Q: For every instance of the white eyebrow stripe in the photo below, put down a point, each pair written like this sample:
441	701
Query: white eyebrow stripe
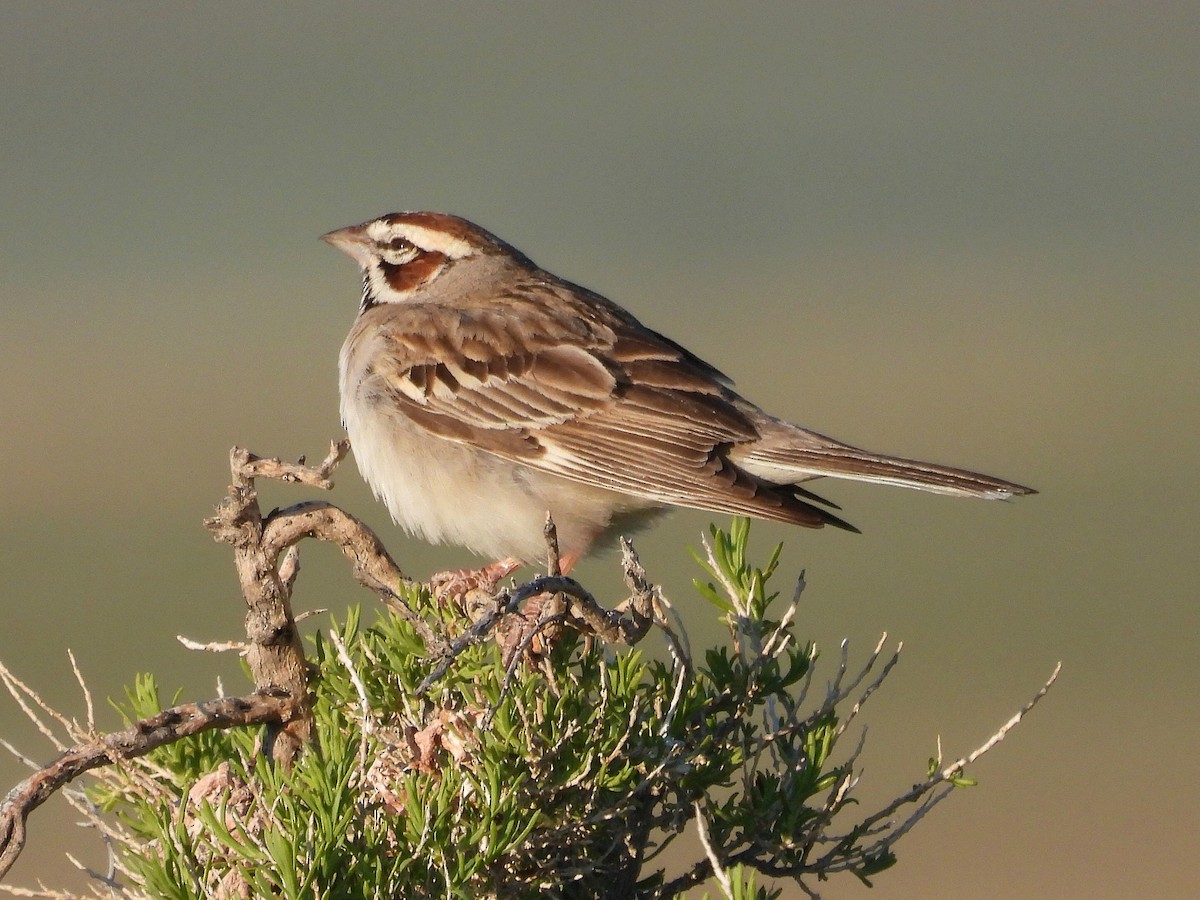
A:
438	241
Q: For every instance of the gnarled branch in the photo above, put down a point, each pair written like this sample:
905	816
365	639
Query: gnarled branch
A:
265	707
275	655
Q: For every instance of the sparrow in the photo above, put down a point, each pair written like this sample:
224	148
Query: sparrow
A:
481	392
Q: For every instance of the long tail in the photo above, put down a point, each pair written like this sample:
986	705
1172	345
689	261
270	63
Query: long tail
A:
784	462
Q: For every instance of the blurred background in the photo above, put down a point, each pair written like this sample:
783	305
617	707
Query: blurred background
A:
962	232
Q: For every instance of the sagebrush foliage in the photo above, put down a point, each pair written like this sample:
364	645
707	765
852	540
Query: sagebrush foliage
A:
562	779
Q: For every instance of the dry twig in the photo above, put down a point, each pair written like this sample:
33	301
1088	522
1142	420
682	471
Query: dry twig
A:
267	562
163	728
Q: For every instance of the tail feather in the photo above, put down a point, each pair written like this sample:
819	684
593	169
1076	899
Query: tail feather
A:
782	464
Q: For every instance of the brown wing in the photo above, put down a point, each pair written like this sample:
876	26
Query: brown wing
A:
590	397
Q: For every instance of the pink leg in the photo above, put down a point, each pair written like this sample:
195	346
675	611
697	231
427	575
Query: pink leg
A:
457	582
567	561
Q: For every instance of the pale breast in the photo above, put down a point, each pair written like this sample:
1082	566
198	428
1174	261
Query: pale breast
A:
447	491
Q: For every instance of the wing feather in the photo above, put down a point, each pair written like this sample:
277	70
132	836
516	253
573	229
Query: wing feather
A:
591	399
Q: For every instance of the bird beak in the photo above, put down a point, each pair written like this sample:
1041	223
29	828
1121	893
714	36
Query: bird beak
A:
352	241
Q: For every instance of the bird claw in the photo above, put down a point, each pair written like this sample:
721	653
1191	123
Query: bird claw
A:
460	582
525	629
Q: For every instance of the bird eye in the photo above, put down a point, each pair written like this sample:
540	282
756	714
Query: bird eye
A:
399	243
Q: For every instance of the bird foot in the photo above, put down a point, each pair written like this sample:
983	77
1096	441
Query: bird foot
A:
525	630
460	582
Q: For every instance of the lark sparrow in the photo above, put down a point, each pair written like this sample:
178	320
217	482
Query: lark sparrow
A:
481	392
